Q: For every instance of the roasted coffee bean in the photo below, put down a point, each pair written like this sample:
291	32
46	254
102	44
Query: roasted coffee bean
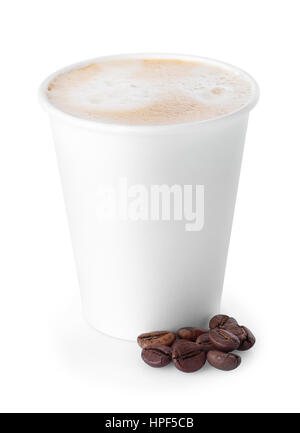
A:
224	340
163	338
235	329
205	343
222	321
188	356
157	356
190	333
249	341
230	324
218	321
223	361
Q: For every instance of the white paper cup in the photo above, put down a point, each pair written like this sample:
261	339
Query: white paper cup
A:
141	269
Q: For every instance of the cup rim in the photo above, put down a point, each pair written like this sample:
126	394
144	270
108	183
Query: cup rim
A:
144	129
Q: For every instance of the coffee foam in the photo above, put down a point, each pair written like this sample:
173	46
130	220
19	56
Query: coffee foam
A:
149	91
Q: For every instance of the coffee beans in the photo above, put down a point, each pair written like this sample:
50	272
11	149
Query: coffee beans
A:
190	333
224	340
205	343
218	321
163	338
223	361
188	356
230	324
157	356
249	341
237	330
194	345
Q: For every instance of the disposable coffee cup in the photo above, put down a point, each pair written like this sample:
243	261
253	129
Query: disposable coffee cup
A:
150	210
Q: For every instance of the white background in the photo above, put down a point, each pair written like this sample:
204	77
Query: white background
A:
50	360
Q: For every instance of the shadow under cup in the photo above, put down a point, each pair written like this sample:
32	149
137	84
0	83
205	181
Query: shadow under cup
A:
150	210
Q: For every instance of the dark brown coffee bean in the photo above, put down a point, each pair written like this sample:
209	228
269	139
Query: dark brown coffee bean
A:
190	333
218	321
163	338
235	329
230	324
224	340
157	356
223	361
205	343
249	341
188	356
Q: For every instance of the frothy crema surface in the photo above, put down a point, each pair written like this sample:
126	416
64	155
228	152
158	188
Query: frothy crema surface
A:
142	91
